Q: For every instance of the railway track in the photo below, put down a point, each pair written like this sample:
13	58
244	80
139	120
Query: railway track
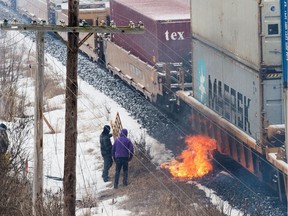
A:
229	181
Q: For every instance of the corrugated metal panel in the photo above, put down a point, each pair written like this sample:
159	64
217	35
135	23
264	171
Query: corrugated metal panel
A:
140	74
227	87
229	24
167	38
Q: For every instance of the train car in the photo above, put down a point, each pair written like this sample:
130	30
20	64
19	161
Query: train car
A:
237	87
236	94
37	10
90	13
56	12
167	34
158	61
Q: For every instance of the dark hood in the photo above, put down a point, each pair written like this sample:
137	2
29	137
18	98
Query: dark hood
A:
106	129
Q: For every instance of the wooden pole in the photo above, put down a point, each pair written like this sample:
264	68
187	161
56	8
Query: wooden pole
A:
38	129
71	111
73	30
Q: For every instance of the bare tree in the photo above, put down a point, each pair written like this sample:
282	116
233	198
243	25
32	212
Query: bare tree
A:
15	192
11	66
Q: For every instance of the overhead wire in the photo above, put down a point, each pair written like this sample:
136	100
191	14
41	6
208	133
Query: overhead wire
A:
173	51
136	157
148	37
214	123
87	166
152	35
79	144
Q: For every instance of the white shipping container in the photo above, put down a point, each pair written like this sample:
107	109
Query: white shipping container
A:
227	87
248	30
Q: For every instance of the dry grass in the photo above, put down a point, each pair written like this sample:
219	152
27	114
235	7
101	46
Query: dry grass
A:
52	87
152	192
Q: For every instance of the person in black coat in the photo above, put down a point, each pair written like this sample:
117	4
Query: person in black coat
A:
106	151
4	141
4	144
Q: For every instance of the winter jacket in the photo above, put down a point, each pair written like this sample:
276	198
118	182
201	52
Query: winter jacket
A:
105	142
4	141
122	146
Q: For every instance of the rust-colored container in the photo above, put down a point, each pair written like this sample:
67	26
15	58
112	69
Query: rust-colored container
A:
167	36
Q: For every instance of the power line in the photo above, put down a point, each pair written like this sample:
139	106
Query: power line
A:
71	99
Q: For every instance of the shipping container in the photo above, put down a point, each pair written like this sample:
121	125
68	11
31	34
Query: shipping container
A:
237	83
248	30
237	64
236	92
89	13
226	87
167	36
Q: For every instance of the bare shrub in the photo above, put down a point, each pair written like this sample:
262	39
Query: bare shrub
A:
142	150
10	71
15	194
88	201
15	188
15	184
53	203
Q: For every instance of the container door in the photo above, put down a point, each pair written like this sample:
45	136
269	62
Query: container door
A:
271	32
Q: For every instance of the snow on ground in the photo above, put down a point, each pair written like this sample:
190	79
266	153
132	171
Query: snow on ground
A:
94	111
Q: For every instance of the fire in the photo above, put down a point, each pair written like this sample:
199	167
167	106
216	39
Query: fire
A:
195	160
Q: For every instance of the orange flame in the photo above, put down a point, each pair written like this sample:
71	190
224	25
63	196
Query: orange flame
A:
195	160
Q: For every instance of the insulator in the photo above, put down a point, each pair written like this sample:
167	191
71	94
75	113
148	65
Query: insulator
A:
140	24
14	21
34	22
112	24
43	22
62	22
83	23
102	23
131	24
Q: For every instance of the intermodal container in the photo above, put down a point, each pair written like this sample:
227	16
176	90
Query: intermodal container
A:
236	64
248	30
167	36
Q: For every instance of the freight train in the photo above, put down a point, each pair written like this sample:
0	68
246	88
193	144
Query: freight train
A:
202	61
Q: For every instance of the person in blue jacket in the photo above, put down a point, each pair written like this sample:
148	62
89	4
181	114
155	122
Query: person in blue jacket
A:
122	151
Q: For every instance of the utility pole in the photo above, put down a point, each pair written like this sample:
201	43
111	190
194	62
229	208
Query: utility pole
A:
73	44
38	128
71	111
